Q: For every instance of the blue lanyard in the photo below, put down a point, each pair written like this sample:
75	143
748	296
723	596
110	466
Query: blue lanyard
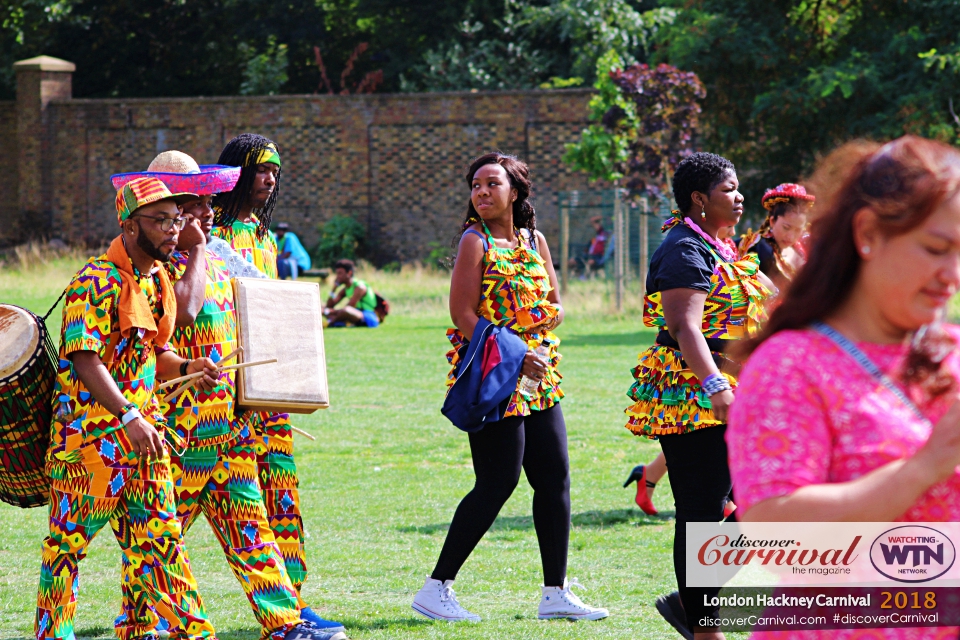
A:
854	352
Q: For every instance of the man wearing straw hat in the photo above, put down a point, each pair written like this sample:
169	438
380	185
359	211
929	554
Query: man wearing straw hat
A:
107	459
215	472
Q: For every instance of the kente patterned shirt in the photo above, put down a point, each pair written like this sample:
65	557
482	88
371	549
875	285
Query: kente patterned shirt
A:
261	252
806	413
668	397
90	314
514	295
206	418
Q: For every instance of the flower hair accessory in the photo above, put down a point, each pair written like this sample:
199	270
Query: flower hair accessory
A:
785	193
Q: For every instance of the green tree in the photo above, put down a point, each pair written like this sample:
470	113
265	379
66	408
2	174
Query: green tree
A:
788	80
265	73
643	123
525	44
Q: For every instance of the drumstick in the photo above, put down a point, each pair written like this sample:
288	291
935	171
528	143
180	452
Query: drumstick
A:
302	432
191	376
195	377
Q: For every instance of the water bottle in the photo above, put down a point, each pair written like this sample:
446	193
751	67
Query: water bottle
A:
529	386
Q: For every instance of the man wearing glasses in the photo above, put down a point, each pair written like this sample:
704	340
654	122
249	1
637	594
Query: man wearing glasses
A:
215	472
107	459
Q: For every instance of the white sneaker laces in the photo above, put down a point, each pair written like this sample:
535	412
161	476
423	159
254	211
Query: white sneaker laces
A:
448	596
571	597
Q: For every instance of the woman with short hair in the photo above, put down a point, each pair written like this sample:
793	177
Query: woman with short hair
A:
701	297
846	409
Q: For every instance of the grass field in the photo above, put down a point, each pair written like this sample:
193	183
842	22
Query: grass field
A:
381	482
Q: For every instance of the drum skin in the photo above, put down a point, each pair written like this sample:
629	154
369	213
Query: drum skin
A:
281	319
27	377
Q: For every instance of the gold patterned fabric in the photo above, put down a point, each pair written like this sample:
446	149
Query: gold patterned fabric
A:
667	395
514	295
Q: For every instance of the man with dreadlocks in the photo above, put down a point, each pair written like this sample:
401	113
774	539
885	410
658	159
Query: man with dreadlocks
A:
242	218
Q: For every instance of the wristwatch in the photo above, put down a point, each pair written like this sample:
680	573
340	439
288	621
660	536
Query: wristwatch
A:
130	406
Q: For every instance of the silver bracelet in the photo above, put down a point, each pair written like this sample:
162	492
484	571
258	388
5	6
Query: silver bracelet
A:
715	383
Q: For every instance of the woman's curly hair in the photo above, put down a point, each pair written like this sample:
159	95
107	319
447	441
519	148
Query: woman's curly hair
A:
700	172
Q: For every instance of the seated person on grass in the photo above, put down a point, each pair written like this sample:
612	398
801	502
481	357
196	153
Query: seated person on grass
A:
361	300
595	256
292	258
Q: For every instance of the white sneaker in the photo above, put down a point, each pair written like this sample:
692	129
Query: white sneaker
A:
437	601
560	602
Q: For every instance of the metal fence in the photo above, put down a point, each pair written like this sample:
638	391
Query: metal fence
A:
632	228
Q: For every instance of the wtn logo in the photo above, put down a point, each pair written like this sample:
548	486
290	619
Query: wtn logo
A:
912	553
897	554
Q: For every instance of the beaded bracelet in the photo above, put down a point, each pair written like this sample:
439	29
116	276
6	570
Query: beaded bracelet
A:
715	383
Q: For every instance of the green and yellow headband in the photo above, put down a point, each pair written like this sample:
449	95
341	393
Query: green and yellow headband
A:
268	154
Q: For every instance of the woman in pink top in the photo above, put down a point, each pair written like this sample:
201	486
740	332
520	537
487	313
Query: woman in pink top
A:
813	436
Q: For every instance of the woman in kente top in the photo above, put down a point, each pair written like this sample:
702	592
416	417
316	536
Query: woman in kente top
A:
777	242
503	273
701	297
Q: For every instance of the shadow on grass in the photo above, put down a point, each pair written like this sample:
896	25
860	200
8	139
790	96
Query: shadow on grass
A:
351	624
586	519
639	339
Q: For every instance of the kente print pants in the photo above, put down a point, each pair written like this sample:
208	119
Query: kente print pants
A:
279	482
220	482
137	499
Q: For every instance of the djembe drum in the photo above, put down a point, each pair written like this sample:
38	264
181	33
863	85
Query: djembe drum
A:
27	376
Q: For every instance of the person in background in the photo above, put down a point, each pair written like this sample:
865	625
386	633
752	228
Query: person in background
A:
594	257
292	258
778	241
847	406
361	307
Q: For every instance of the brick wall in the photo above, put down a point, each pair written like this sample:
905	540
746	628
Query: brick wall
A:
395	162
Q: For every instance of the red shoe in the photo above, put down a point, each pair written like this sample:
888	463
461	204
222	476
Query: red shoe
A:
728	509
639	475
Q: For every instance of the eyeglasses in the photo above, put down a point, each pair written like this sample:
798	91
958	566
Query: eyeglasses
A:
165	223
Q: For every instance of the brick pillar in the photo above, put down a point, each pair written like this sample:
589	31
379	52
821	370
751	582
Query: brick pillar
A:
39	80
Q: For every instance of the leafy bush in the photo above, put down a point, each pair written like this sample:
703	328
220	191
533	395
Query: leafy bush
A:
440	255
341	237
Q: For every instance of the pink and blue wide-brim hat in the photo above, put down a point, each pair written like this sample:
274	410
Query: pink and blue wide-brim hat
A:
211	179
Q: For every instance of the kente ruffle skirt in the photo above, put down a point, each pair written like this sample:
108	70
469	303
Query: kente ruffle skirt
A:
668	398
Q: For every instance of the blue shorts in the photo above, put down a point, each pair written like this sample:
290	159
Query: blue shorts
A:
370	317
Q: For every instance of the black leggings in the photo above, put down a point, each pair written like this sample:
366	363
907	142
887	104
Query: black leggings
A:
538	444
700	481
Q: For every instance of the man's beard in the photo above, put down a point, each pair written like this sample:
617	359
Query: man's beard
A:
148	248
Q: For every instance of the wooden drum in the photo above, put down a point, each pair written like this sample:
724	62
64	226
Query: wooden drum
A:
27	376
281	319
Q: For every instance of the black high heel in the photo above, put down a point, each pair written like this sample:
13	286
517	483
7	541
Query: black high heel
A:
635	476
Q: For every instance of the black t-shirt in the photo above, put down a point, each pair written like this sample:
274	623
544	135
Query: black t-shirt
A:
764	250
682	261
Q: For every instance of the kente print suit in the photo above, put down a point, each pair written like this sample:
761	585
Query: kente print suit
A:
273	433
215	472
96	477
